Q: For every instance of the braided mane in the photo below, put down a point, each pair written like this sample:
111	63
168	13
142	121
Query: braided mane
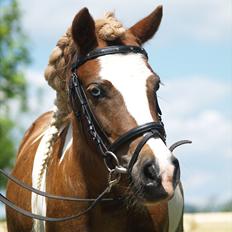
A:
58	72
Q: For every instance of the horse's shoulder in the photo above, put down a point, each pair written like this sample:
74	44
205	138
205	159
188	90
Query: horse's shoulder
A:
35	131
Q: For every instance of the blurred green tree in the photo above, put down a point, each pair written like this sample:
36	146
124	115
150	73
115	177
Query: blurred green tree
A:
227	206
14	56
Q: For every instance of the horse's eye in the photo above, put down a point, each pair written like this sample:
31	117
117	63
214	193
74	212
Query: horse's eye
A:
96	91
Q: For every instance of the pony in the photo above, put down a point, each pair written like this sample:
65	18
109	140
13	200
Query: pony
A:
59	157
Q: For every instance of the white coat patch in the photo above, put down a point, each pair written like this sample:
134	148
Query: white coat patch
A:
67	143
175	209
38	203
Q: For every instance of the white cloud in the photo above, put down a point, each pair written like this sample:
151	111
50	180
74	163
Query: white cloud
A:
40	95
40	98
185	96
199	109
35	78
204	20
208	129
201	186
197	180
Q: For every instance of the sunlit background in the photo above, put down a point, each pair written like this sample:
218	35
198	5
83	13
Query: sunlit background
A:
192	53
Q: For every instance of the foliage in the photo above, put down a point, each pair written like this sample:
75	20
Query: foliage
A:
188	208
227	206
13	53
209	207
14	57
6	145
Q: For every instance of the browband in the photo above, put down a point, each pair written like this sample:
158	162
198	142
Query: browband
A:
122	49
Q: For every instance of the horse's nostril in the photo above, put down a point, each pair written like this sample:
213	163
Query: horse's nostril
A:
151	172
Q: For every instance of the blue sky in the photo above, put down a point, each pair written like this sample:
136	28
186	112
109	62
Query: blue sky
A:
191	52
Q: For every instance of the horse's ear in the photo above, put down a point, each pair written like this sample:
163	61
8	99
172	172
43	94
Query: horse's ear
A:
83	32
147	27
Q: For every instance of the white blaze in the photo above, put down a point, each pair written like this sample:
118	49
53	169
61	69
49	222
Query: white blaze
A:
129	73
162	153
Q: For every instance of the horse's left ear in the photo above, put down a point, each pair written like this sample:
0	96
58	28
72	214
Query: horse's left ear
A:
83	32
147	27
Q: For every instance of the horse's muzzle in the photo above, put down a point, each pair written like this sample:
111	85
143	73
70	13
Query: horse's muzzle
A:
157	184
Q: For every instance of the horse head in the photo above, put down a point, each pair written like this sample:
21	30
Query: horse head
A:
121	89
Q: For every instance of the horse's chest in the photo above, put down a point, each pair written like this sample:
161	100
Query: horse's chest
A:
124	219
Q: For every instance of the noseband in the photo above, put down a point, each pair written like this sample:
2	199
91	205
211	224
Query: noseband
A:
96	137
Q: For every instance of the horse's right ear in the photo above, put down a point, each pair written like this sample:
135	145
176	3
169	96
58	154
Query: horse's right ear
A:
83	32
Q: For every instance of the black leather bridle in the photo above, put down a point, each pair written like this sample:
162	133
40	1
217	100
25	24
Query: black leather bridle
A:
96	137
90	126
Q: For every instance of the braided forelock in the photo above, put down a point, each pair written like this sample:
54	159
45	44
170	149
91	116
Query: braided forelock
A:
109	28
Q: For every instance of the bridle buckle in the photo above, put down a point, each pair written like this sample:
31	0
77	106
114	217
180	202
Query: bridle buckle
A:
114	166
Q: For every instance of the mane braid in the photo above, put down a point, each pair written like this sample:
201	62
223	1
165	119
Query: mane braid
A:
52	133
58	71
44	151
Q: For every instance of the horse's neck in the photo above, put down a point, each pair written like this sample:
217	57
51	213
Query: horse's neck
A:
80	168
